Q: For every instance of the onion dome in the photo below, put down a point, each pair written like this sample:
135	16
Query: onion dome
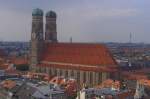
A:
37	12
51	14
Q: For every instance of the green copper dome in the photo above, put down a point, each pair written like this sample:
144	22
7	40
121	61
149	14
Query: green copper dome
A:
51	14
37	12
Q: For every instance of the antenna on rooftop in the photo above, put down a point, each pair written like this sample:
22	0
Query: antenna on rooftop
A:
130	38
130	49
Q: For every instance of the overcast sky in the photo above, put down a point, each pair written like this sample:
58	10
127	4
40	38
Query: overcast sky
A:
83	20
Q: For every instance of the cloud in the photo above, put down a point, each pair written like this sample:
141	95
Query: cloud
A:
117	13
101	12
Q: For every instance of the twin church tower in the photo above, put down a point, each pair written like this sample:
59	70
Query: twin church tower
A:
38	37
89	64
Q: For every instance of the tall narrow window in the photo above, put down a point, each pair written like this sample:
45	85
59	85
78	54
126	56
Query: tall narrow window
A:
84	77
66	73
78	76
72	73
100	77
91	78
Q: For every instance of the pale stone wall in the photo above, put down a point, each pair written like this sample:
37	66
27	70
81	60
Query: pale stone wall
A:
47	70
88	78
96	78
81	77
104	76
93	78
69	73
52	71
63	72
75	74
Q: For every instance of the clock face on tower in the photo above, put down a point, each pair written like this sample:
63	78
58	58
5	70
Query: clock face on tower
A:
38	36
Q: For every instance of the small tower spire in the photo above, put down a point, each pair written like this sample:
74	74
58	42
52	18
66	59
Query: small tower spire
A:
130	52
70	39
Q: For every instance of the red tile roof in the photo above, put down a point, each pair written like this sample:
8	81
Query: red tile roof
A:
58	80
136	75
109	83
124	95
78	53
19	61
70	85
13	72
145	82
4	66
8	84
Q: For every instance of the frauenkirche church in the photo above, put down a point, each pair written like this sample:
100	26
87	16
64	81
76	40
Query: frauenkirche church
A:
87	63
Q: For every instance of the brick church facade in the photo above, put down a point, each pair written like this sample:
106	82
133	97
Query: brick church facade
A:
89	64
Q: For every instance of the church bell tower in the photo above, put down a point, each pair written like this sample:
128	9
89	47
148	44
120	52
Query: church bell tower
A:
36	38
50	27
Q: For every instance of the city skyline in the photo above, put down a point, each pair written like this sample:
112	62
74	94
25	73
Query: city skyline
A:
83	20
